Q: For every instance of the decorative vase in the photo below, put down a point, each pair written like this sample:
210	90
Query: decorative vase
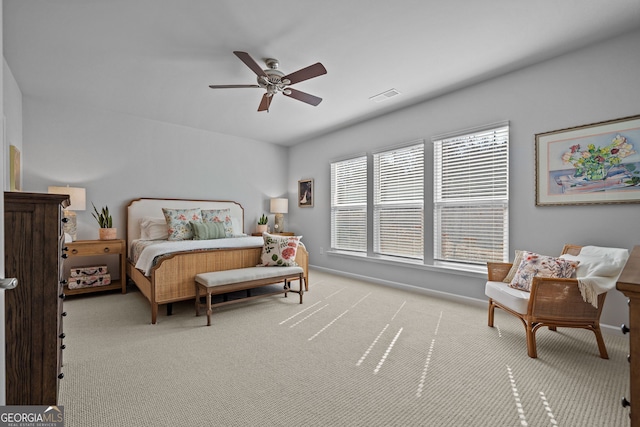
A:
107	233
262	228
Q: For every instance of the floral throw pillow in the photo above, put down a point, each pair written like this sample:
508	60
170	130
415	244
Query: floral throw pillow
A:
178	222
219	215
279	251
533	265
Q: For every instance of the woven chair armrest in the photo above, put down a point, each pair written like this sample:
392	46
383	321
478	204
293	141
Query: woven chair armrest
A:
560	298
551	285
497	271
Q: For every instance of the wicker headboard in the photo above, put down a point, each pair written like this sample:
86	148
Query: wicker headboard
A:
140	208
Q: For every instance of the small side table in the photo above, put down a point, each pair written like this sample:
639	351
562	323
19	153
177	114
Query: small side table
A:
87	248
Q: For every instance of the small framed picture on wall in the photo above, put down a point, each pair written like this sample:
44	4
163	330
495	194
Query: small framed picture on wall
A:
305	193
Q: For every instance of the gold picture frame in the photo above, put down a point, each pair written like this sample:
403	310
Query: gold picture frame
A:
14	169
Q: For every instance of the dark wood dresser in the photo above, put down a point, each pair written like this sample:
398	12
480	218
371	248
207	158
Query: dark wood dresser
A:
34	250
629	285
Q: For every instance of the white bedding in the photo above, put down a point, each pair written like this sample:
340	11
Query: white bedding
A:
146	259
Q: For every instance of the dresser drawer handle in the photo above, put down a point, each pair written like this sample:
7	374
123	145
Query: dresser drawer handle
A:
106	250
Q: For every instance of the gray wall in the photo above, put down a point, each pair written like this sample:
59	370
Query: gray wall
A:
591	85
118	158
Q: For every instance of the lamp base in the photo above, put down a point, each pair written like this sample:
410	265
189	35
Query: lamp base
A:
70	225
279	223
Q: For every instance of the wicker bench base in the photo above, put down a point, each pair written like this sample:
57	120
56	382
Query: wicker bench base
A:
240	279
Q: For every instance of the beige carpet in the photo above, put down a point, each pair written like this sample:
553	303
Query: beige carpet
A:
354	354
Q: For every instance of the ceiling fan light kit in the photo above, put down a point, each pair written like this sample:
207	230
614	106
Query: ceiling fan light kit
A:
273	80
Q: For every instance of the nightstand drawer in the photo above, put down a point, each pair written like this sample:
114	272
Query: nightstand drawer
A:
102	248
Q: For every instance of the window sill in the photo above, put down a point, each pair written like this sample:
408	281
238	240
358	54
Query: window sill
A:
439	266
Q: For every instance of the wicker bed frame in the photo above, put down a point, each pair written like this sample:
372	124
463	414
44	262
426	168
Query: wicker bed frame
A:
172	278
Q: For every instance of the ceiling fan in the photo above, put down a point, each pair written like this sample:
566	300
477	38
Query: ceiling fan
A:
274	80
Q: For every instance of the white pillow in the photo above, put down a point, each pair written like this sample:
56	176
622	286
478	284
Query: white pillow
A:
237	226
153	228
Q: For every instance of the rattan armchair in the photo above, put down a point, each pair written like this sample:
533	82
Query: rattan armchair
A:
552	302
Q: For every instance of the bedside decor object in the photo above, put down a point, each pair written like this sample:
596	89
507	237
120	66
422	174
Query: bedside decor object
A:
106	231
592	164
78	198
305	193
262	224
279	207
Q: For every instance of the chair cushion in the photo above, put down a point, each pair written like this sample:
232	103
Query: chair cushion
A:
512	298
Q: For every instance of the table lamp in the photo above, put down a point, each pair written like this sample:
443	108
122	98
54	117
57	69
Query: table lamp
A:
279	207
78	199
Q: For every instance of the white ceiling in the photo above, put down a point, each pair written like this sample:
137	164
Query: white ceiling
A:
156	58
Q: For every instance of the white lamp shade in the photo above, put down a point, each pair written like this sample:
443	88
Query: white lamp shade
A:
77	196
279	205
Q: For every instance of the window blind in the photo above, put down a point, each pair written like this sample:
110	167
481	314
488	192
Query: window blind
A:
398	191
471	197
349	205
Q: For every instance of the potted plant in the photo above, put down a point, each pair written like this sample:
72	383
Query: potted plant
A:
262	224
106	231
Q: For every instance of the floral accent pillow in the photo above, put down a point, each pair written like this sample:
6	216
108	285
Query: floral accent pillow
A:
279	251
534	264
219	215
178	222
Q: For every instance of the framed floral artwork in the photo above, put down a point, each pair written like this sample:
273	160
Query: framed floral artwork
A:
305	193
591	164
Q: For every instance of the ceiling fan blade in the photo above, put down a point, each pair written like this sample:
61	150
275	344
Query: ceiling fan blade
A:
249	62
265	102
304	97
307	73
232	86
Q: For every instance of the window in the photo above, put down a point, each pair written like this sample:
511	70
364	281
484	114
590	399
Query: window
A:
349	205
398	205
471	196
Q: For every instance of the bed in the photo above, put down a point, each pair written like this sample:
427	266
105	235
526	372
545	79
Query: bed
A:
168	277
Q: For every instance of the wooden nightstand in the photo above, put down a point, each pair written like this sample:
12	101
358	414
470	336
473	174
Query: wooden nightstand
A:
88	248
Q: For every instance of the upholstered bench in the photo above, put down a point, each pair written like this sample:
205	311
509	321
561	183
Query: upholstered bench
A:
240	279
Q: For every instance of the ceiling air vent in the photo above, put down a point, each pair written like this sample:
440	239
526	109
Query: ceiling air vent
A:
385	95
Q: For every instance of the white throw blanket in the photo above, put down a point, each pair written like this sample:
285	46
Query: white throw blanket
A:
598	270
